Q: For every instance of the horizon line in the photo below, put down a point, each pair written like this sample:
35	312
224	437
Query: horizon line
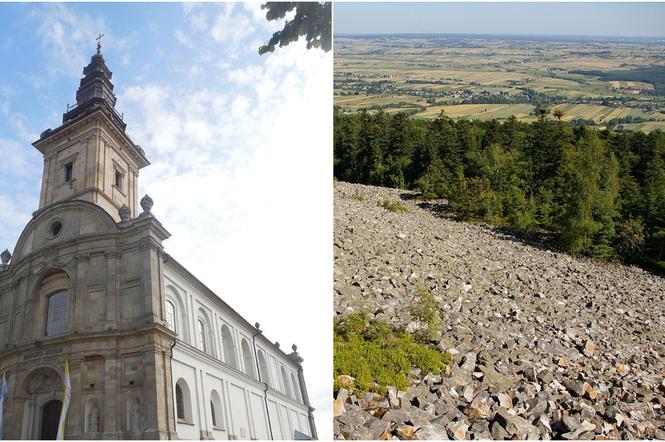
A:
368	34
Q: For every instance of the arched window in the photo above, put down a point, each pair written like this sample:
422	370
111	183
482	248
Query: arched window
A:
285	381
170	316
180	402
228	347
181	317
216	410
183	402
263	369
248	358
202	335
56	315
296	388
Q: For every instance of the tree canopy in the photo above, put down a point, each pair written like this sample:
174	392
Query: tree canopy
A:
312	19
595	193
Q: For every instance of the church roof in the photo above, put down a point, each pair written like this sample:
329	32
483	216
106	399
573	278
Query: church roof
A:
95	93
95	90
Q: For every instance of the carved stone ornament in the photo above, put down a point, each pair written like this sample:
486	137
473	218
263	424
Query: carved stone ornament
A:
5	256
124	212
146	203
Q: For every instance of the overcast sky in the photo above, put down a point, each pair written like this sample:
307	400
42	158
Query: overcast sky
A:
588	19
240	145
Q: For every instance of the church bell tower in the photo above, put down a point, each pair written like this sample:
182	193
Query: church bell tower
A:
90	157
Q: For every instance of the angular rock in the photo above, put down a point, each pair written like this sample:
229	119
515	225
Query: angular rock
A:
432	432
457	430
516	426
406	432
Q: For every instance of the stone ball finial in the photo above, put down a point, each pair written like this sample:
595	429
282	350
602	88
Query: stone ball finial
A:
257	326
124	212
294	347
146	203
276	344
5	256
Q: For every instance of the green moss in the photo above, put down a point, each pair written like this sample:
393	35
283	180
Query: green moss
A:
356	196
378	356
427	311
393	206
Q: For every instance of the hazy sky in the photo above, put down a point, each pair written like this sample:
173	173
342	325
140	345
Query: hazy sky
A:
596	19
240	146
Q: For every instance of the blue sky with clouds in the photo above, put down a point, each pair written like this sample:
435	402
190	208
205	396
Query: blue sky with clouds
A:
240	146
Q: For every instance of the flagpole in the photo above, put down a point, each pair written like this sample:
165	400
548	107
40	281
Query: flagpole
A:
65	403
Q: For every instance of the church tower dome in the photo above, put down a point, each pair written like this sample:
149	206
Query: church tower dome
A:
90	157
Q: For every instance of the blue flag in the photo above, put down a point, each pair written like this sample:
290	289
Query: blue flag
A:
3	393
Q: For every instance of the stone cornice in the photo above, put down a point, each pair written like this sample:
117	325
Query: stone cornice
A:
99	117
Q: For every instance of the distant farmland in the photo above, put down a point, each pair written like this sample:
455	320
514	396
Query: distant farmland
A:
619	85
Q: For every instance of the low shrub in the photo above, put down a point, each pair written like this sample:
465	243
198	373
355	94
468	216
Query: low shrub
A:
378	356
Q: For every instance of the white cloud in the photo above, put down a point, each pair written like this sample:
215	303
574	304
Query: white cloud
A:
198	21
230	27
17	158
19	122
68	38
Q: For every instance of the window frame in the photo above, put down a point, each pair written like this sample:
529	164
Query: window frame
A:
172	313
119	180
63	307
69	172
201	335
180	404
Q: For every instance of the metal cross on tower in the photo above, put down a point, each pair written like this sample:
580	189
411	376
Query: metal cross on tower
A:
99	42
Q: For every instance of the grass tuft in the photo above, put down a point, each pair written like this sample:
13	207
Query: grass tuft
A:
393	206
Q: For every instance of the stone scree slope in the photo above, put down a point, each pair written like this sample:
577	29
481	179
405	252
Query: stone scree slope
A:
545	345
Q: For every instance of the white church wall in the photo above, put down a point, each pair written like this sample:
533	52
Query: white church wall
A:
249	410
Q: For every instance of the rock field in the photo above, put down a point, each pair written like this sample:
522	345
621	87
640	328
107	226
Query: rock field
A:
545	345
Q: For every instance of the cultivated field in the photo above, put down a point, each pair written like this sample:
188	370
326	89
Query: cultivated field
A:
609	83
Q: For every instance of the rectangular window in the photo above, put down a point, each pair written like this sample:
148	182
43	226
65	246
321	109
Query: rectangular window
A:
56	315
118	180
202	336
69	172
170	315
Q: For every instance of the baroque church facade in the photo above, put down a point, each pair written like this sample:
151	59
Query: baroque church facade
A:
152	352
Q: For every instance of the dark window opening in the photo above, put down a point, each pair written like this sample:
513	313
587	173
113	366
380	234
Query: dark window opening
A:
69	172
118	180
214	418
180	402
56	228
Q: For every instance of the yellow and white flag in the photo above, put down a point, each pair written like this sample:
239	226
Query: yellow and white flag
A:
65	404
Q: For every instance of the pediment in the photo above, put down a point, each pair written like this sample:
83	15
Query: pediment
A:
62	222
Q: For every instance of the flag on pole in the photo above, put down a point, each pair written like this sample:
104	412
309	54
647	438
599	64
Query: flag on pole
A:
3	393
65	404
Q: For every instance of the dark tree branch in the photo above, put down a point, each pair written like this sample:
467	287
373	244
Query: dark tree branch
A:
312	19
